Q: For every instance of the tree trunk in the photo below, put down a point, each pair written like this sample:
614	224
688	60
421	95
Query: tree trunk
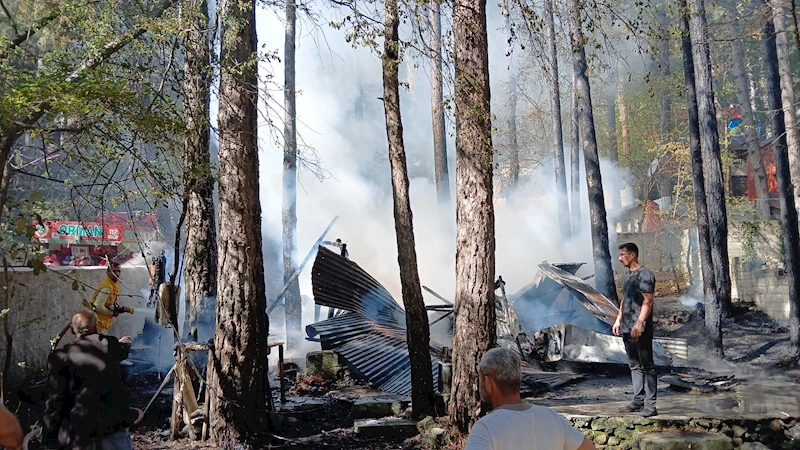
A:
200	270
293	310
418	332
441	171
712	164
750	130
511	123
575	159
612	130
558	134
713	320
623	112
787	91
239	369
475	328
664	56
604	275
513	147
796	27
791	237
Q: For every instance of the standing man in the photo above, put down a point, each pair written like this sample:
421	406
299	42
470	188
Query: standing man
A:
87	407
635	324
106	300
513	424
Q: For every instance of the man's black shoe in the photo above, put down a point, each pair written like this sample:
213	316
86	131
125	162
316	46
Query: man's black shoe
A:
648	412
631	408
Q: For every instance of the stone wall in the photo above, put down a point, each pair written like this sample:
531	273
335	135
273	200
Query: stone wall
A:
755	250
768	287
41	305
621	432
666	252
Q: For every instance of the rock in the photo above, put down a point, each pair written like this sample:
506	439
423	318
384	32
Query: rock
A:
392	427
613	441
376	407
726	429
737	441
680	440
600	439
588	433
435	437
325	364
793	432
628	422
642	421
599	424
612	423
776	425
426	424
703	423
738	431
753	446
623	433
716	423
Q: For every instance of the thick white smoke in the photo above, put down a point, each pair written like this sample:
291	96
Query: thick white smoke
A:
340	115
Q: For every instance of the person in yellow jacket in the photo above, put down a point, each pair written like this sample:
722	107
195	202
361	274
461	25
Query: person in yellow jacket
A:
106	300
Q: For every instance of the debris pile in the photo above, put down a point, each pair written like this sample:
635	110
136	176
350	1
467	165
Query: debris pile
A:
558	317
703	382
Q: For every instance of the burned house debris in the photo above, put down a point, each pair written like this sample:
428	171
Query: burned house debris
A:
572	322
368	328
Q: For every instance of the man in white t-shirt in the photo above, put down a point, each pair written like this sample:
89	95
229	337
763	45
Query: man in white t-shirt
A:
513	424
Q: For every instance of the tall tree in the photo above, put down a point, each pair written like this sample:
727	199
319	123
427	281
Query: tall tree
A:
417	330
575	161
664	56
604	275
511	119
558	134
787	91
611	112
791	236
623	111
237	380
292	302
441	171
748	120
513	144
713	318
475	329
712	163
200	270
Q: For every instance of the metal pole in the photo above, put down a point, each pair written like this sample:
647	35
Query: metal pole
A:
296	273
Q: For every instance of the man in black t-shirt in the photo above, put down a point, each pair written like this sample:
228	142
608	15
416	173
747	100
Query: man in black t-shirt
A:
635	324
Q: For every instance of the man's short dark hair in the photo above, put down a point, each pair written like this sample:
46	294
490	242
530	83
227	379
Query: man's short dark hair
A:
629	247
112	265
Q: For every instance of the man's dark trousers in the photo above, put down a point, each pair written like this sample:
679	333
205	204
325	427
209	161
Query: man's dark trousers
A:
643	370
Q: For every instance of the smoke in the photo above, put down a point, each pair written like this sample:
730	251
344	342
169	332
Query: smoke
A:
340	115
693	297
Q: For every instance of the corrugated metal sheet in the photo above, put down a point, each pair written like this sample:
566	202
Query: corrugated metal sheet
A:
371	335
558	296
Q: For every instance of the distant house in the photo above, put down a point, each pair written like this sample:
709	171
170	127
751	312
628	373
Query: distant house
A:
742	180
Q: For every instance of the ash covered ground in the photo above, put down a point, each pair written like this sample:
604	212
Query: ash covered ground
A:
321	415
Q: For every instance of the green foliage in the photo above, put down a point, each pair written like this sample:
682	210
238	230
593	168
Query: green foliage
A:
115	132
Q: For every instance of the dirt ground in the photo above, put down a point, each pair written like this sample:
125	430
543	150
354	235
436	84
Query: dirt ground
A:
754	345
